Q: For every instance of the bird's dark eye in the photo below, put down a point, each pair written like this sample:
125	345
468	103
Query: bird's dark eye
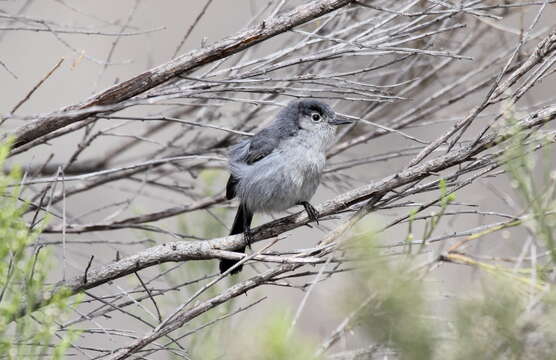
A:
316	117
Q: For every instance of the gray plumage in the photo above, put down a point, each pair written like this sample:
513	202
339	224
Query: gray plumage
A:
280	166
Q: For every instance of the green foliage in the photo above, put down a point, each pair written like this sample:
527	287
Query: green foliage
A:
445	199
538	199
277	342
394	316
487	327
23	271
394	311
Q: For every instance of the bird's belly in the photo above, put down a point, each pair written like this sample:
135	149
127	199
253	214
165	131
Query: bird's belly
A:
273	185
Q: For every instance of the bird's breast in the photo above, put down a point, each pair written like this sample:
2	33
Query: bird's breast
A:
286	177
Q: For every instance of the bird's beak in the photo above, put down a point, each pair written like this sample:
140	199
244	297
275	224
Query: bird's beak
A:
341	120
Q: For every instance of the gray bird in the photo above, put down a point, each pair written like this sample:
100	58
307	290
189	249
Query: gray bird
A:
280	166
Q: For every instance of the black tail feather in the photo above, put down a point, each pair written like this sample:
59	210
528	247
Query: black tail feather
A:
242	223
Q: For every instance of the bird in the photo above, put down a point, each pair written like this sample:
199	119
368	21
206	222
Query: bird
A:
280	166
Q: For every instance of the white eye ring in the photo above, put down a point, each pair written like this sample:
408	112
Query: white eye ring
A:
315	117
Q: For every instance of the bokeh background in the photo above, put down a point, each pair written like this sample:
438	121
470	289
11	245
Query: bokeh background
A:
29	55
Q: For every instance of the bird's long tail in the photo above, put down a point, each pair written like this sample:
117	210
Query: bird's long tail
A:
242	222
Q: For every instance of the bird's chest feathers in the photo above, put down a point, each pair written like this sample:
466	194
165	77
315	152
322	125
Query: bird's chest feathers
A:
305	158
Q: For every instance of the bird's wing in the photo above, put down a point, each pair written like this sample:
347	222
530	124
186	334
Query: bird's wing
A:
253	150
260	147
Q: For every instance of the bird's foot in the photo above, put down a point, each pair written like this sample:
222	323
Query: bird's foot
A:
248	236
312	213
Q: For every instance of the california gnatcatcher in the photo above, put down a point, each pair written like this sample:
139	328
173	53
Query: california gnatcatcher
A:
280	166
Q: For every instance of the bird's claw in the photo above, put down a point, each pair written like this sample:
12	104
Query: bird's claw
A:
312	213
248	236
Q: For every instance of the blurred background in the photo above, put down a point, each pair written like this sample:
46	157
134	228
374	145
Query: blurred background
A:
103	43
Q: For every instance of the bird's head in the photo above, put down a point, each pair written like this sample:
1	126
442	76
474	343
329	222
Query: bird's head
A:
310	116
314	115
